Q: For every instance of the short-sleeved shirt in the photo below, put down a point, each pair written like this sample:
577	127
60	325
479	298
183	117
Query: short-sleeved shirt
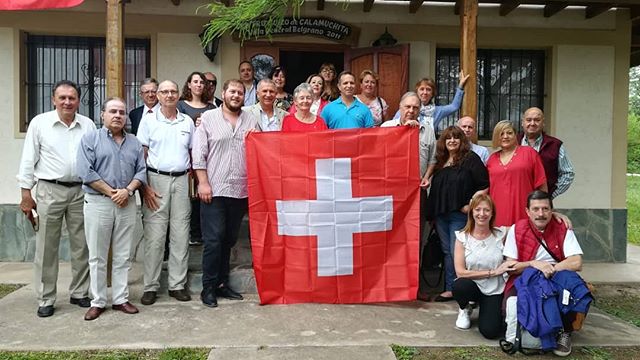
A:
570	247
377	107
338	116
511	183
291	124
485	254
191	111
168	141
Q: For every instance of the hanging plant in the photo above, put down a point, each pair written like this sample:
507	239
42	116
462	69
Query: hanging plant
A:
239	18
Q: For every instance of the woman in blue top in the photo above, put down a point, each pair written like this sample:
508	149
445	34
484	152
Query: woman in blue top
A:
431	114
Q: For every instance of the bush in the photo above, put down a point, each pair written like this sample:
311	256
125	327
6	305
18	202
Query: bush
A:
633	144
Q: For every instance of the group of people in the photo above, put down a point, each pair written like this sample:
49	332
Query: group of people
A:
181	141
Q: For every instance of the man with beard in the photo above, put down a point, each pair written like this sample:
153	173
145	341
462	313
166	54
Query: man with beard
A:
557	166
110	163
268	116
219	162
347	112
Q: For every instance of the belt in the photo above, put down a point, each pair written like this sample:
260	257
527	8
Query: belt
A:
167	173
63	183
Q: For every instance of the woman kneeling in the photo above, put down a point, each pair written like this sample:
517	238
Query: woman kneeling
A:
480	267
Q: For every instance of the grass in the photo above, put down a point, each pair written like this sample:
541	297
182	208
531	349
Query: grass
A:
622	301
491	353
166	354
6	289
633	209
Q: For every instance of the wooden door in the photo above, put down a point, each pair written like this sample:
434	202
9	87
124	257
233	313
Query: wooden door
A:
392	65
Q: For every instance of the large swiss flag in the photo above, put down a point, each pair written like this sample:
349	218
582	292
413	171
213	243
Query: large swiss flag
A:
334	215
37	4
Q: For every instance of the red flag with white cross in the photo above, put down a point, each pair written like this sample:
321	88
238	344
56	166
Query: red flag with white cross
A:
37	4
334	215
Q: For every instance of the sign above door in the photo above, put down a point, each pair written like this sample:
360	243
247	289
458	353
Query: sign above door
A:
321	27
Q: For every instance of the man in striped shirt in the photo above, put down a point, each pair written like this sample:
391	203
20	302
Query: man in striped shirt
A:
557	166
219	162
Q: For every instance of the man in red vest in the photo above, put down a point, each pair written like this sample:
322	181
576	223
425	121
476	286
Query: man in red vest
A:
546	245
557	166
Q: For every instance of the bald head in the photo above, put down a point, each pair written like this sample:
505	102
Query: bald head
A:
533	122
468	126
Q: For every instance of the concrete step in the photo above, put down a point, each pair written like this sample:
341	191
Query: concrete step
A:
374	352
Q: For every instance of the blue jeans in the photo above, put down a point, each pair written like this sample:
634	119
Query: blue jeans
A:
446	224
220	222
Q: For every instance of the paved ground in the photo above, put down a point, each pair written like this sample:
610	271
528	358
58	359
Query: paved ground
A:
244	329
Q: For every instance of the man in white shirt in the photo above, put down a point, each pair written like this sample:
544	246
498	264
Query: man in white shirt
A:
166	137
268	116
468	126
547	245
49	159
247	73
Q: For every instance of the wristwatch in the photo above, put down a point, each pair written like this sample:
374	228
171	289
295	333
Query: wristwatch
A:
130	192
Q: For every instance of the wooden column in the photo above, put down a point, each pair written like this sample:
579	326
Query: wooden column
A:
115	48
468	55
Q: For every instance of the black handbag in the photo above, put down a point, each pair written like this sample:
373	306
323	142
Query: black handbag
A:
432	257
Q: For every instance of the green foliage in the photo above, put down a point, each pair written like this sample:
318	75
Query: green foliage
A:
596	353
6	289
633	209
167	354
633	143
623	304
404	352
634	90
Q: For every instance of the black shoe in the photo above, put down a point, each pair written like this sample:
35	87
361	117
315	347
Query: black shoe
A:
84	302
208	297
227	293
45	311
148	298
180	295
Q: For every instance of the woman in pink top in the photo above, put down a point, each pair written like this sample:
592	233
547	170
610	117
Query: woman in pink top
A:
318	103
514	171
303	120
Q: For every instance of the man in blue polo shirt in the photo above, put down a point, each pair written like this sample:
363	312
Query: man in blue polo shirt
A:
347	112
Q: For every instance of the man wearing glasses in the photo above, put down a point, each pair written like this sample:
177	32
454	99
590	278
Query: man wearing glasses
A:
148	91
166	138
212	82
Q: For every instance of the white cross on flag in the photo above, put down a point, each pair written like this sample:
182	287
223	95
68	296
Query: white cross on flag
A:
334	215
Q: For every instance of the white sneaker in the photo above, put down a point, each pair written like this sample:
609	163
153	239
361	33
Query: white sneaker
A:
464	318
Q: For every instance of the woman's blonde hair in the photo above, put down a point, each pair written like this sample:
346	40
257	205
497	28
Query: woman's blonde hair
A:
475	201
499	129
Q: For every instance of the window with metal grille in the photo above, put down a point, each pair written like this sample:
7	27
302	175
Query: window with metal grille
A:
81	60
509	82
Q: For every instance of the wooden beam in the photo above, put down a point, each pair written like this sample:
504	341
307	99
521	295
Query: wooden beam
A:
508	6
367	5
456	8
414	5
468	55
320	5
115	48
592	11
551	9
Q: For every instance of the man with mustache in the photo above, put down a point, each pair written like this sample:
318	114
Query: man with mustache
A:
110	163
557	166
219	162
547	245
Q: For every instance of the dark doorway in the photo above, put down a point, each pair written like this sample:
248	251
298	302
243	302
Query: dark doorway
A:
300	64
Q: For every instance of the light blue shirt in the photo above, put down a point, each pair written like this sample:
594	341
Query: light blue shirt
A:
338	116
481	151
100	157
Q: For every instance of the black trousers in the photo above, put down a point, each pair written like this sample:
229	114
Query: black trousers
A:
490	321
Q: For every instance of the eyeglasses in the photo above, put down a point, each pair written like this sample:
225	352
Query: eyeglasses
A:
168	92
148	92
328	71
212	82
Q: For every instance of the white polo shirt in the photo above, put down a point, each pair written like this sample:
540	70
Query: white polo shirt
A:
168	141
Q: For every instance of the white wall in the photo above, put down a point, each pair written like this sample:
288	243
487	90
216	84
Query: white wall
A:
10	146
180	54
583	80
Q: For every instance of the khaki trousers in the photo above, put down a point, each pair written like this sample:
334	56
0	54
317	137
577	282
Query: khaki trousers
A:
175	211
55	203
108	225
